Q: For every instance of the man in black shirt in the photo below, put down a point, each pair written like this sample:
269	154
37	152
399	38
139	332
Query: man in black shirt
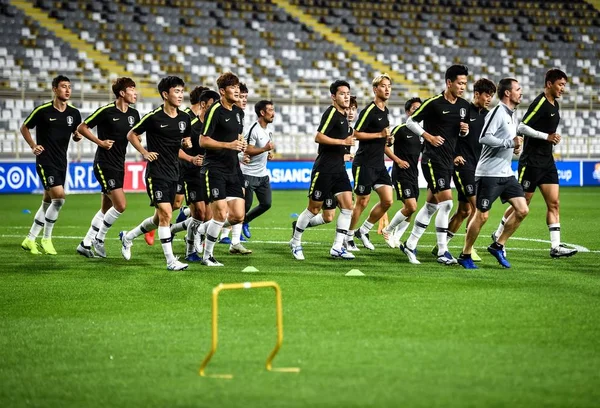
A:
536	164
222	138
368	168
167	129
329	173
445	117
405	175
468	150
114	121
55	122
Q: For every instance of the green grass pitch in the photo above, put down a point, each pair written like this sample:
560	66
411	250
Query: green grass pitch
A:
77	332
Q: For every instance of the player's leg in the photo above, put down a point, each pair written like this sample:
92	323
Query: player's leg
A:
250	186
421	223
344	199
113	205
219	213
550	192
265	199
384	191
319	188
444	199
236	217
57	200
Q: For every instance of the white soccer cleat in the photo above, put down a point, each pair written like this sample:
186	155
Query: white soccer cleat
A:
351	245
411	254
562	251
297	251
126	245
239	249
211	261
176	265
85	251
390	237
341	253
447	259
98	245
365	240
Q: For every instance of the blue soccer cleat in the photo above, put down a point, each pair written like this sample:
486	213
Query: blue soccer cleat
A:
246	230
193	257
181	216
225	240
499	255
467	263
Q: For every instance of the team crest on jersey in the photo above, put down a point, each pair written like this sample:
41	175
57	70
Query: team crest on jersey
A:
328	202
361	189
407	192
442	183
317	194
182	126
239	119
485	203
470	188
69	120
111	183
270	135
192	195
526	183
215	192
158	195
130	120
463	113
50	180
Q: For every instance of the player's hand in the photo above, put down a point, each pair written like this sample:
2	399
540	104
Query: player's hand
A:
403	164
186	142
464	128
151	156
246	159
271	155
436	141
348	157
106	144
349	141
518	145
390	140
459	161
198	160
77	136
237	145
554	138
37	149
385	133
269	146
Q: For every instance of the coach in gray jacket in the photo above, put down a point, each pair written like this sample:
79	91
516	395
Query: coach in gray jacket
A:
494	176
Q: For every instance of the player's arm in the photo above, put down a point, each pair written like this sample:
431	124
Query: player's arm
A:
35	148
86	132
208	142
528	131
413	125
252	150
322	138
136	141
492	127
363	120
390	153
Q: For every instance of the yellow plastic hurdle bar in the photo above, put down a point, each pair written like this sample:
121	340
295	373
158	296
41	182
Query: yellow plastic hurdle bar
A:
215	316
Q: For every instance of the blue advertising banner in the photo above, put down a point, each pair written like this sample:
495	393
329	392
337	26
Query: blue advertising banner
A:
591	173
22	178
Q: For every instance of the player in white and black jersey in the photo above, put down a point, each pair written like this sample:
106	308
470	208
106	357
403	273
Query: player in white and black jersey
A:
167	129
54	122
445	118
113	121
329	173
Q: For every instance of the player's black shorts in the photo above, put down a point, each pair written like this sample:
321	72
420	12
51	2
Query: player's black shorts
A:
406	188
490	188
438	178
366	178
180	182
330	202
221	185
532	177
323	184
51	176
161	191
109	179
464	181
194	186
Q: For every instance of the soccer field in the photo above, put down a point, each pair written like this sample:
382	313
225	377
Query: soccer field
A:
78	332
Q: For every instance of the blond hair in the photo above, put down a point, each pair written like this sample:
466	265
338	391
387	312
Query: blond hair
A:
379	78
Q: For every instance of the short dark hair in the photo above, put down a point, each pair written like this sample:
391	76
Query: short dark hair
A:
261	105
504	85
121	84
554	75
227	79
353	102
334	86
207	95
58	80
169	82
484	85
195	94
410	102
243	88
456	70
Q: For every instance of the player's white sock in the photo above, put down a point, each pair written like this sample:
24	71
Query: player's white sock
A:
421	223
554	234
38	221
189	237
500	229
441	225
225	231
164	233
146	226
301	224
449	236
109	219
212	234
398	218
401	229
180	226
316	220
341	228
187	211
94	228
365	228
202	227
236	232
52	215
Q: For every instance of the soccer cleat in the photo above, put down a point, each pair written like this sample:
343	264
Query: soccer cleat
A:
85	250
447	259
341	253
98	245
181	216
47	246
225	240
562	251
390	237
31	246
176	265
193	257
149	237
365	240
499	255
246	230
434	250
351	245
297	251
211	261
475	256
243	238
467	263
126	247
410	253
239	249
